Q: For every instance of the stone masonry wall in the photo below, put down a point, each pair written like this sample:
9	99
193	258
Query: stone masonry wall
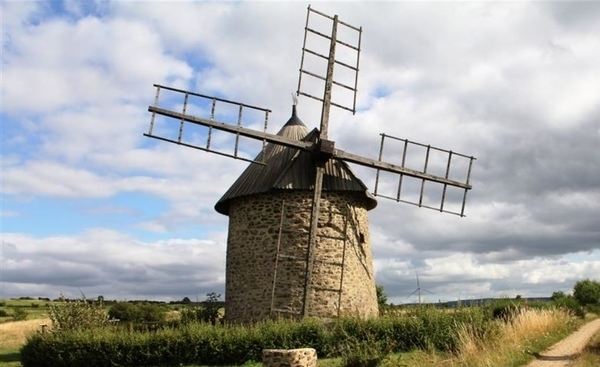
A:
256	234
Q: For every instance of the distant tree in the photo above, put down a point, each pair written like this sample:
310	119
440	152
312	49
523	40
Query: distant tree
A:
210	312
381	296
186	300
587	292
518	297
558	295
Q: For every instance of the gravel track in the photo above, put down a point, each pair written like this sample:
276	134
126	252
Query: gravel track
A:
566	350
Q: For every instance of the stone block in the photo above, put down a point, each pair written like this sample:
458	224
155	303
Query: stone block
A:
303	357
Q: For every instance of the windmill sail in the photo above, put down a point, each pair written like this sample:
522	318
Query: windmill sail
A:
180	119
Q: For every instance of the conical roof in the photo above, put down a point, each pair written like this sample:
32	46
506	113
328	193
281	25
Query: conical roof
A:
292	169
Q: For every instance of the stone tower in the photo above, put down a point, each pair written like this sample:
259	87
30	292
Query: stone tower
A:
269	211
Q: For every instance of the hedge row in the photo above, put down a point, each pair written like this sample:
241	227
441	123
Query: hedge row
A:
204	344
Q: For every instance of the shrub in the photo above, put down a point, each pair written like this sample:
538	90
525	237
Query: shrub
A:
363	353
381	296
587	292
3	313
19	314
570	304
593	309
137	312
190	315
77	314
205	344
505	309
210	312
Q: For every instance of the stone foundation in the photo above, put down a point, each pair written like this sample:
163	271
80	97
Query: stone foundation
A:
305	357
262	285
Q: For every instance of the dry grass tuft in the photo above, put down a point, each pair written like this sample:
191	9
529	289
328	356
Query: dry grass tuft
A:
13	334
511	338
534	322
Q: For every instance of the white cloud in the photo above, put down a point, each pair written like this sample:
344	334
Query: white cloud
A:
111	261
59	64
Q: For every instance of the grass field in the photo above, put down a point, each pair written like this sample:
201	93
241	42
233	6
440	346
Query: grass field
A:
34	308
12	336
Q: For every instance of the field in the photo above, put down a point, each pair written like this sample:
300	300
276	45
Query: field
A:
12	337
531	330
34	308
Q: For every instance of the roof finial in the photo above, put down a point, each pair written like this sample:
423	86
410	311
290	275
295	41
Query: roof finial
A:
294	104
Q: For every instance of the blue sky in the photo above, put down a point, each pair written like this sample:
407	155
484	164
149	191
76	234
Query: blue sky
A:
89	203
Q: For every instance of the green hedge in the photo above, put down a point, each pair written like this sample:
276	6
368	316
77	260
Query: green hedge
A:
205	344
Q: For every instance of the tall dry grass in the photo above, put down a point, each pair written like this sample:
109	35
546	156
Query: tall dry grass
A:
13	334
528	327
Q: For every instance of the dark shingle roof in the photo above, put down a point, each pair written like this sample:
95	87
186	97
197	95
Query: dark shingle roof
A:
292	169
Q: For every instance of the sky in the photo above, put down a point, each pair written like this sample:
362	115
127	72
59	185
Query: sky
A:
91	206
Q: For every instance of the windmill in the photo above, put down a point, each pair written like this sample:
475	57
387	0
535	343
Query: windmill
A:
418	290
298	241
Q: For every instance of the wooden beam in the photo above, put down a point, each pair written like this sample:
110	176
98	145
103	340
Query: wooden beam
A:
388	167
234	129
307	146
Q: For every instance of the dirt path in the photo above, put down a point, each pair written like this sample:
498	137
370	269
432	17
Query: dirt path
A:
563	352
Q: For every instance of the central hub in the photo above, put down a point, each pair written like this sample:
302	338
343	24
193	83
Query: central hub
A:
325	148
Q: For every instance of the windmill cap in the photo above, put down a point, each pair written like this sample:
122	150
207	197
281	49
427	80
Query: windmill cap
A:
289	168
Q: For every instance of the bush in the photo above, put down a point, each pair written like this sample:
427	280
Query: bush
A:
570	304
363	353
558	295
77	314
381	297
137	312
210	312
205	344
587	292
505	309
19	314
190	315
3	313
593	309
